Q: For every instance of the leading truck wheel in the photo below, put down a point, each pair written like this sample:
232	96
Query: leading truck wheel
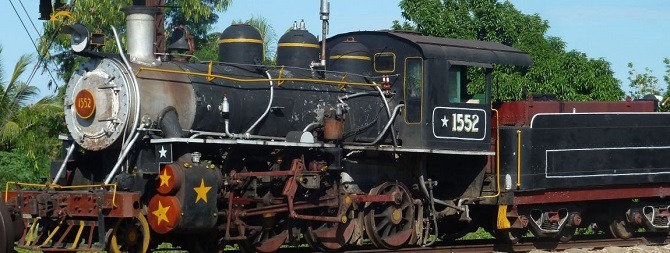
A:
130	235
6	230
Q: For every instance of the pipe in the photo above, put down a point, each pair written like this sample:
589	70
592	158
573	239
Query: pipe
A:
383	132
388	111
70	150
122	157
240	136
135	87
346	97
267	110
310	126
169	124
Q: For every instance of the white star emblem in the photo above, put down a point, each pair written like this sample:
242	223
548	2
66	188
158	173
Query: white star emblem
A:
444	121
163	152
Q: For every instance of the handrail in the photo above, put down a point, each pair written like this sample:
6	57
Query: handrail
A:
340	84
497	155
518	159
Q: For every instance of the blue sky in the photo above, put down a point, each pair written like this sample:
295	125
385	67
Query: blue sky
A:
616	30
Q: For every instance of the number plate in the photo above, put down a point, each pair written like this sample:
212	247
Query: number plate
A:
84	103
459	123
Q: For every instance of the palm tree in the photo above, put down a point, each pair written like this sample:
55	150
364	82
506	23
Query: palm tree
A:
14	95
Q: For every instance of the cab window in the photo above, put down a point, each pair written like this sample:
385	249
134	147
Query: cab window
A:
413	89
458	90
384	62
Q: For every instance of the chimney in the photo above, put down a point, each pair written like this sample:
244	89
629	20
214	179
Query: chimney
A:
140	33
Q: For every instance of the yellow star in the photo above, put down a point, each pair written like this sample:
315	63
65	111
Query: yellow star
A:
201	191
161	213
164	178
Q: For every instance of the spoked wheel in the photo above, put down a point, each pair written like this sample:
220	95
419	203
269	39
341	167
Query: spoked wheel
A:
130	235
328	236
619	227
273	234
390	225
6	230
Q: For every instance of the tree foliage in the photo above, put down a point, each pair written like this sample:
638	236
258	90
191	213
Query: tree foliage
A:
99	16
210	48
27	131
571	75
642	84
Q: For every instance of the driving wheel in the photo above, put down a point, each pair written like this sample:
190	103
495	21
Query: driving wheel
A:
130	235
390	225
269	238
328	236
6	229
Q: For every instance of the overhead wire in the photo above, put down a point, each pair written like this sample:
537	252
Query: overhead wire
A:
41	57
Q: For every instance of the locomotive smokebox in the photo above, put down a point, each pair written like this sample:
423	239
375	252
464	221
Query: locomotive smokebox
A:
140	33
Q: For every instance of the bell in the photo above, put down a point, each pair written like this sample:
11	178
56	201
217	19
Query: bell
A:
178	42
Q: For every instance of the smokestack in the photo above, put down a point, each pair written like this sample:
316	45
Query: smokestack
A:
140	33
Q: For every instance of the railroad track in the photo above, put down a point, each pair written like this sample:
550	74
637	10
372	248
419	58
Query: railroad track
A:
470	246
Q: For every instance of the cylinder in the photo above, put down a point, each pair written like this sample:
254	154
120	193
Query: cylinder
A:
140	33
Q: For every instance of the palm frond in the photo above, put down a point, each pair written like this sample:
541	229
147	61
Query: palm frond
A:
10	132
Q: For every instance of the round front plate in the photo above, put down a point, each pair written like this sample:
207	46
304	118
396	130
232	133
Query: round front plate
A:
84	103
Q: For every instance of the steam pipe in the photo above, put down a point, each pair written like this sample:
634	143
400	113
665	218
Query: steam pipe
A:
135	88
267	110
70	150
388	111
383	132
122	157
169	124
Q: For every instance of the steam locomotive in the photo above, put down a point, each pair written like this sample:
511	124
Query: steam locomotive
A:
364	137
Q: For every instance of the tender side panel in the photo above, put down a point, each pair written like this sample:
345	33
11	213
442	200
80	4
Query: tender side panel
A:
583	150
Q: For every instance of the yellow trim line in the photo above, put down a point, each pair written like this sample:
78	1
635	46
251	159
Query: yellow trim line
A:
241	40
341	84
293	44
353	57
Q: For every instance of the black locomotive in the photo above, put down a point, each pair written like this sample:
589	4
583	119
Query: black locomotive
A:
343	140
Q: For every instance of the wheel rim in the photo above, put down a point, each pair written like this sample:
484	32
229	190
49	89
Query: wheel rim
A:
6	229
267	240
328	236
390	225
130	235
